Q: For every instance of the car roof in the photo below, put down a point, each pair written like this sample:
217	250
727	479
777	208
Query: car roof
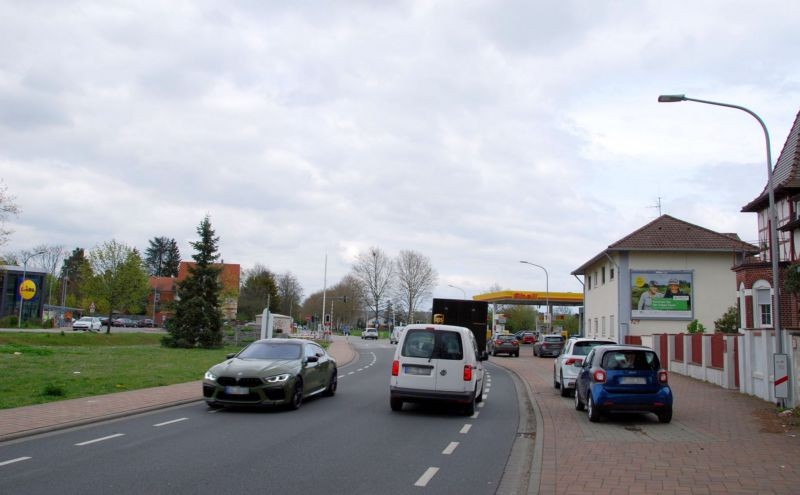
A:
623	347
281	340
435	326
589	339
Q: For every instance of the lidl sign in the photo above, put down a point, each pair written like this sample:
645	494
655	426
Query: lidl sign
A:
27	289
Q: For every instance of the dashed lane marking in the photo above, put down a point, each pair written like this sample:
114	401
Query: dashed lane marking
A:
481	404
465	429
450	448
427	476
351	373
475	416
165	423
109	437
12	461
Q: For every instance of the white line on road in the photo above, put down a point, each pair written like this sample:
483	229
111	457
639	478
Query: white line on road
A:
485	396
351	372
12	461
99	439
170	422
360	369
450	448
340	376
426	476
481	404
475	416
465	429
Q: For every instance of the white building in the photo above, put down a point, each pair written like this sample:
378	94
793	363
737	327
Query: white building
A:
659	279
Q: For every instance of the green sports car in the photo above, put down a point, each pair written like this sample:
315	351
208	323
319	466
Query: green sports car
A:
271	372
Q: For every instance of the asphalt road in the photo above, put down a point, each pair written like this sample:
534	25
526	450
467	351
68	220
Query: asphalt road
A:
350	443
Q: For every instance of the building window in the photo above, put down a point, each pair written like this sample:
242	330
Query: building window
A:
603	275
589	285
604	327
762	304
595	279
595	328
612	332
611	273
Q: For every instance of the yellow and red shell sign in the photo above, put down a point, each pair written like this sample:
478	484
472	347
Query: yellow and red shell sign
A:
27	289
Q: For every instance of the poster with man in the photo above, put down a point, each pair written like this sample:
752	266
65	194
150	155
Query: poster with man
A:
661	294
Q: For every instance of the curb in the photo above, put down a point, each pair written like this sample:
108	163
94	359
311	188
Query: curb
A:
523	469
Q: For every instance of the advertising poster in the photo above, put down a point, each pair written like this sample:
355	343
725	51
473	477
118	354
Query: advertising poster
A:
661	294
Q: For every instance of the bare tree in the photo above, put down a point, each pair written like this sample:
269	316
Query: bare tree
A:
50	260
7	207
374	269
416	279
290	292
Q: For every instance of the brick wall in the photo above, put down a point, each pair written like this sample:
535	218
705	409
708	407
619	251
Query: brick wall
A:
748	274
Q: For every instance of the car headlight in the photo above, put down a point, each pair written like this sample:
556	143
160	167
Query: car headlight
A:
278	378
210	376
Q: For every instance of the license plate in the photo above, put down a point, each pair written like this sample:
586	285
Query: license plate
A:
633	380
417	370
237	390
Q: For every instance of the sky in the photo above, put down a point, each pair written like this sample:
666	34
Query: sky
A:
477	133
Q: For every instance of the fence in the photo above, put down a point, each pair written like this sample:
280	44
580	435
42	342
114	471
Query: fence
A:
711	358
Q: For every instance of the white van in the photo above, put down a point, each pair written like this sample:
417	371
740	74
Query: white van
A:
437	363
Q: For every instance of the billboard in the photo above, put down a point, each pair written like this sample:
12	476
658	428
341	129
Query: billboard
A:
661	294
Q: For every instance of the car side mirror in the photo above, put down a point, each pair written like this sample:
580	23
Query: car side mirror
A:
313	359
231	355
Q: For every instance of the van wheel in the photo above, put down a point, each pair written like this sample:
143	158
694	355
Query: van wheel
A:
479	397
396	404
469	409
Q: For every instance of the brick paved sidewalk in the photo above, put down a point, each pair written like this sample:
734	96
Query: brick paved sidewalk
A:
716	443
40	418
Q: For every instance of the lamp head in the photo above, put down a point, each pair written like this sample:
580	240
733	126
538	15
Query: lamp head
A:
671	98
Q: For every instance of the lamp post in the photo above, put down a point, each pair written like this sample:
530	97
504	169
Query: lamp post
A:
547	292
24	274
464	294
774	252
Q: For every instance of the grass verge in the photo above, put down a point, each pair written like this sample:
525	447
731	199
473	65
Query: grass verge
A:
46	367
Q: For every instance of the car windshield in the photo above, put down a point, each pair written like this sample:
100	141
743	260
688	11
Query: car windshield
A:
505	337
552	339
429	344
271	350
86	318
583	348
631	360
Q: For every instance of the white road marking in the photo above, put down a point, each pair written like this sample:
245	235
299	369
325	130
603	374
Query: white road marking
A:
214	411
100	439
485	396
170	422
340	376
360	369
450	448
465	429
351	372
481	404
12	461
427	476
475	416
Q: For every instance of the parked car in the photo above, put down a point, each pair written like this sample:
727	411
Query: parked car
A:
123	322
564	367
437	363
369	333
548	345
271	372
144	323
528	338
623	378
90	323
395	336
503	344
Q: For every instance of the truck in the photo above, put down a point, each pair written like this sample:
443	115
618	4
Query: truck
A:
463	313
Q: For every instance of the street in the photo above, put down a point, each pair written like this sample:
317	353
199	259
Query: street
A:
350	443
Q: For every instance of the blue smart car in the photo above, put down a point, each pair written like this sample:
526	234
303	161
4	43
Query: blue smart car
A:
623	378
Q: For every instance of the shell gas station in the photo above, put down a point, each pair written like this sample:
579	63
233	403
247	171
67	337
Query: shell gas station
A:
528	298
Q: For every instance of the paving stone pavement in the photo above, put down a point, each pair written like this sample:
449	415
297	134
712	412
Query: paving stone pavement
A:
41	418
715	444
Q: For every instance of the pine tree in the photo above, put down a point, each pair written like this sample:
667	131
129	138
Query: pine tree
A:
198	319
163	257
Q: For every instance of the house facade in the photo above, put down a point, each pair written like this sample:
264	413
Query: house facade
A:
659	279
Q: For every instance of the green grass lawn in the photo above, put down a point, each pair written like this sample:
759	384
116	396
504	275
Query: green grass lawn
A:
46	367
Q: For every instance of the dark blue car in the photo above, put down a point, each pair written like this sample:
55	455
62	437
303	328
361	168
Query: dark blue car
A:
623	378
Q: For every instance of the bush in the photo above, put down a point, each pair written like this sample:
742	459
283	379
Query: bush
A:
729	322
695	327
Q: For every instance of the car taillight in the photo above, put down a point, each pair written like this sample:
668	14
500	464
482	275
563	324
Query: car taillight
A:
395	367
498	342
570	361
516	343
662	376
467	372
599	376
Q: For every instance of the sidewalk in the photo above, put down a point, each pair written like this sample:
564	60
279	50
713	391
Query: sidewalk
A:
41	418
719	442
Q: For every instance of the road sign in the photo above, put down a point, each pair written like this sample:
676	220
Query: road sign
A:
27	289
781	374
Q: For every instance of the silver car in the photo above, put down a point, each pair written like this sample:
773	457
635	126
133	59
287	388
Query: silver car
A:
565	371
90	323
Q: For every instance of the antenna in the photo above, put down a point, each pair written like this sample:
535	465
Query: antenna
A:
657	205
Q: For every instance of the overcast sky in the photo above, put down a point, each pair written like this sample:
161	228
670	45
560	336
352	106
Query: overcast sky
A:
476	133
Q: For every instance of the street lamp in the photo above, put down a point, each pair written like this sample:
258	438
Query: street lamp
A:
459	288
773	218
547	293
24	274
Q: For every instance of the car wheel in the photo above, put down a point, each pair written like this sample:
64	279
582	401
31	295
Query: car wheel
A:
564	390
479	397
665	416
534	351
469	409
516	354
297	395
556	385
592	409
578	402
332	384
396	404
